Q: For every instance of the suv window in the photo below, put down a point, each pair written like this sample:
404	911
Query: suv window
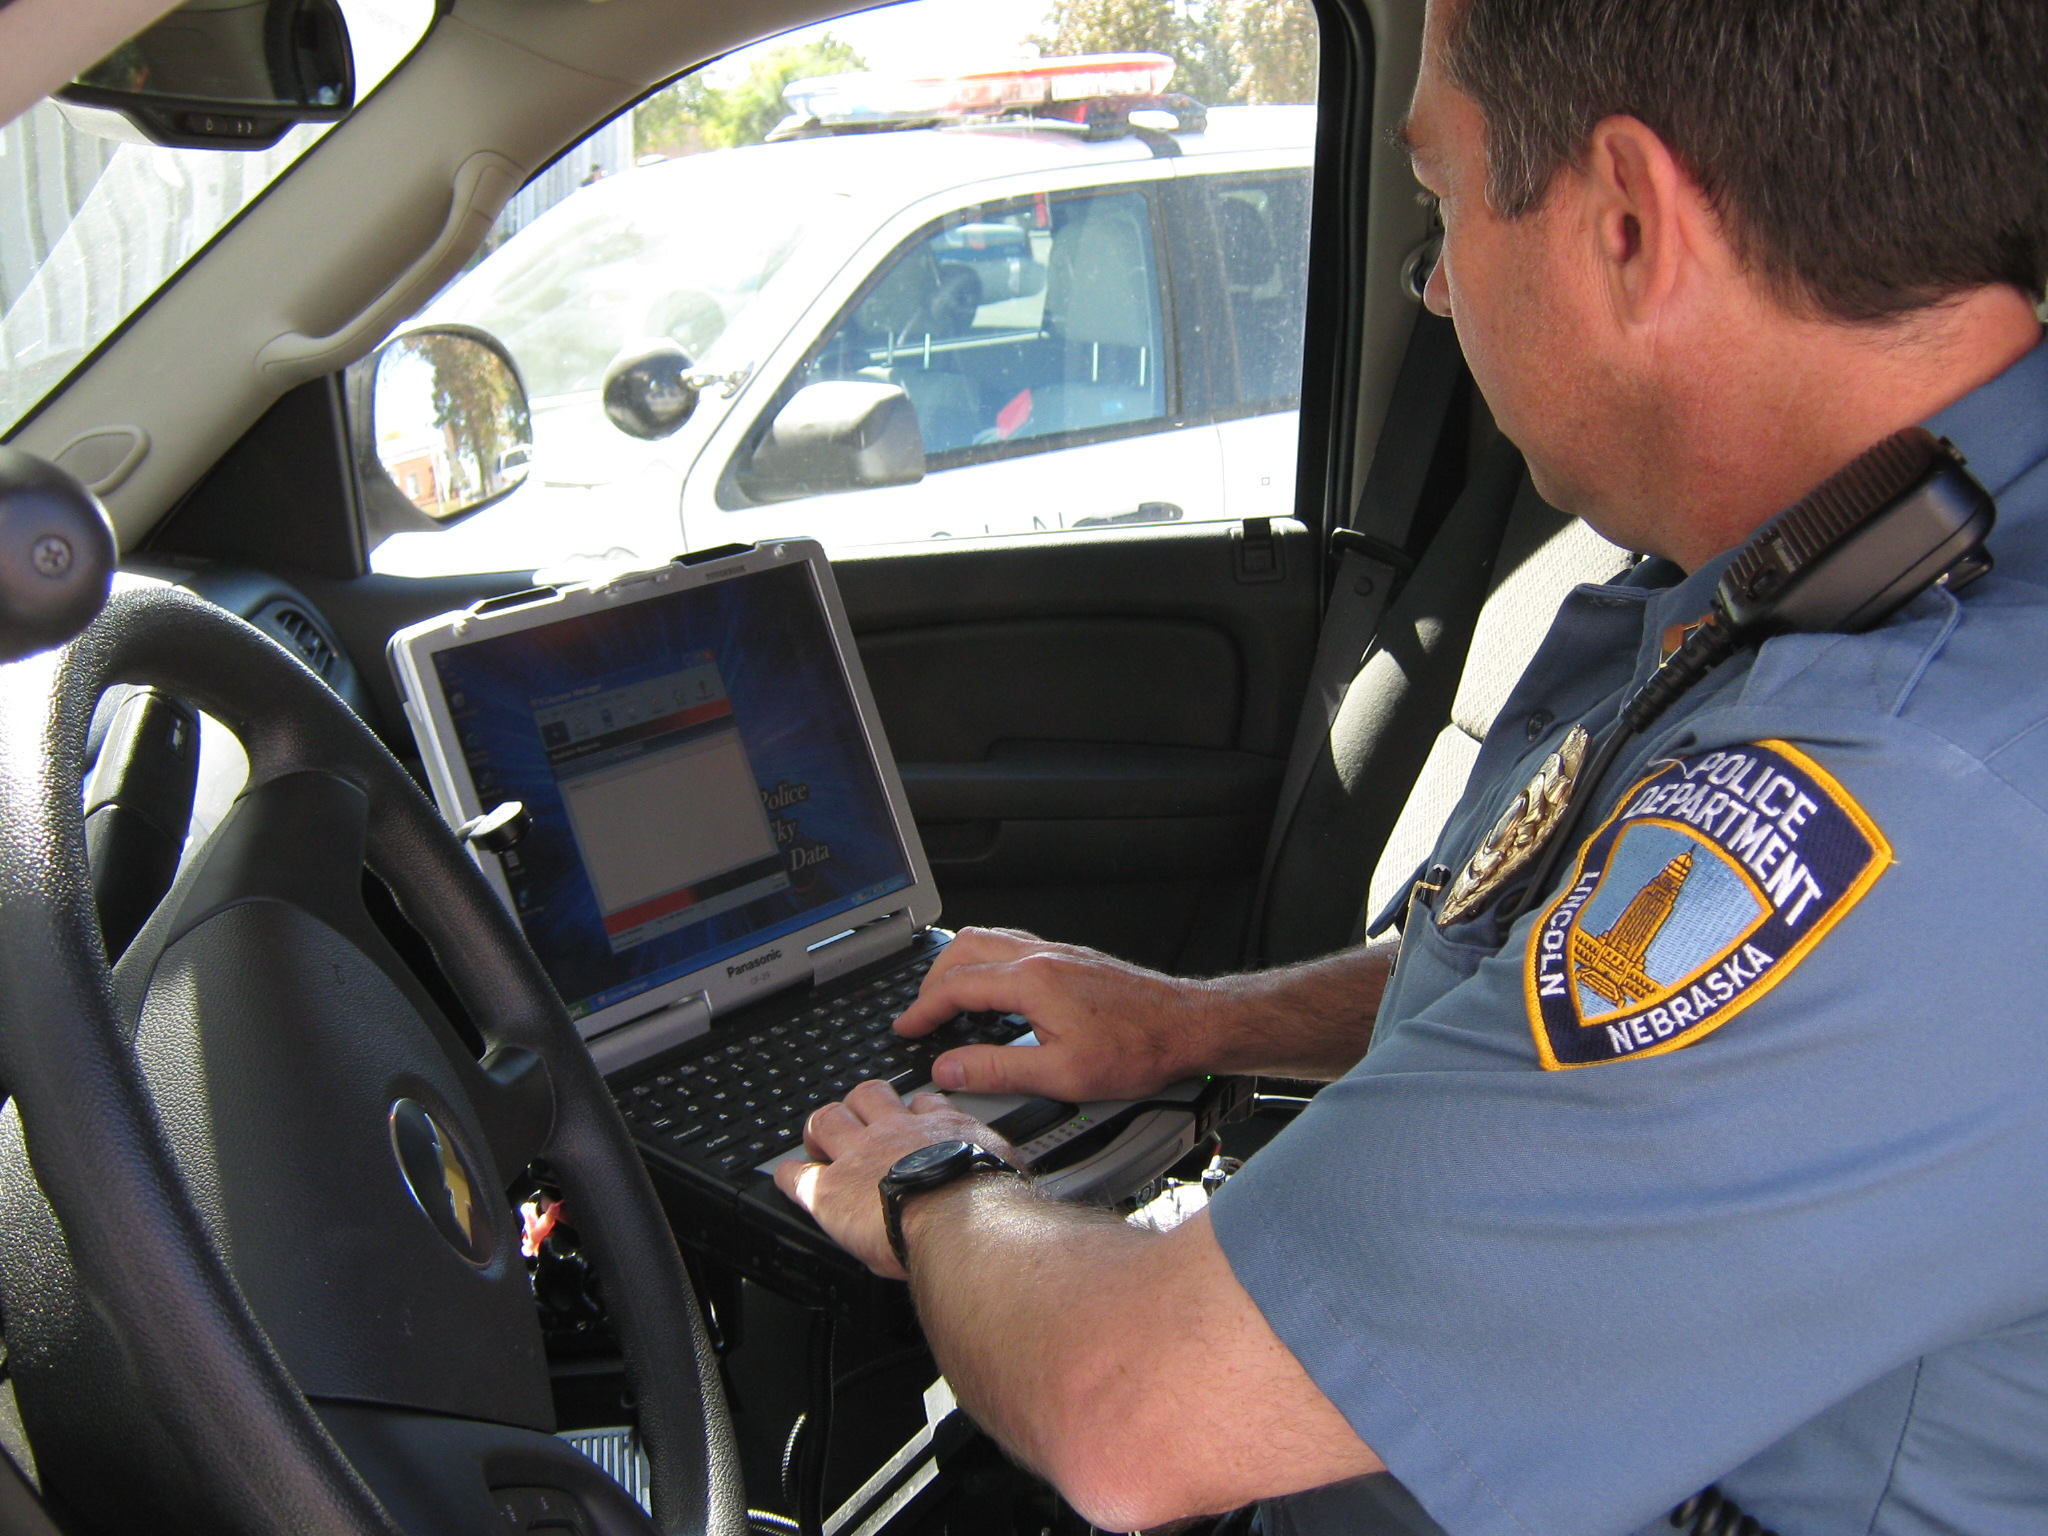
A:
1096	320
1015	327
1262	235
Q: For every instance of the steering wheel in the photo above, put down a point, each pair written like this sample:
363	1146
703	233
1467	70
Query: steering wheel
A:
263	1276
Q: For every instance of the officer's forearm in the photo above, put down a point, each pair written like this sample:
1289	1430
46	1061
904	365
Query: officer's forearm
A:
1312	1020
994	1269
1097	1353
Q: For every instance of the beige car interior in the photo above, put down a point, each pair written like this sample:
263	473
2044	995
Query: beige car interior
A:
1543	556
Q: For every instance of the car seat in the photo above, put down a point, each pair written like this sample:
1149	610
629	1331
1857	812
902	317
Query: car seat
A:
1101	305
919	301
1449	650
1544	554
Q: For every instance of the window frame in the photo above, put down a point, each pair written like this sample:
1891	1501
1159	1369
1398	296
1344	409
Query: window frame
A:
1197	252
897	237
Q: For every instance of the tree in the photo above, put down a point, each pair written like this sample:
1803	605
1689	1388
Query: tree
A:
1190	32
1274	44
695	114
477	407
671	122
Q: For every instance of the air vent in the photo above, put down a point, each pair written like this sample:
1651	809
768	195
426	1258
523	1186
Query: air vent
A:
300	635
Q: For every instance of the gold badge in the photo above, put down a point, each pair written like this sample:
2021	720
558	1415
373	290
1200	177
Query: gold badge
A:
1524	827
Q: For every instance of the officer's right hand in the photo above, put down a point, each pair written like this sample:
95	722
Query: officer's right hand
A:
1106	1030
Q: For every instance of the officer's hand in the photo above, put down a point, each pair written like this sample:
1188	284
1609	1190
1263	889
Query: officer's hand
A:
1106	1030
852	1144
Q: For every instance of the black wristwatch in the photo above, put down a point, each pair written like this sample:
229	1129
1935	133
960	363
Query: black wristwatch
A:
929	1168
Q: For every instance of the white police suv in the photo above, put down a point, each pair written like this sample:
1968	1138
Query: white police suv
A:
922	310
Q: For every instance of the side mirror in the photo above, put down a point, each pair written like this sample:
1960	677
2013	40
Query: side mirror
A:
441	428
220	74
649	391
839	435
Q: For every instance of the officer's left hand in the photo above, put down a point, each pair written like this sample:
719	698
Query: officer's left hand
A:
853	1144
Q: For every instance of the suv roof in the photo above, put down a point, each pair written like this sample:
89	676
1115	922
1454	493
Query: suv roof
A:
955	154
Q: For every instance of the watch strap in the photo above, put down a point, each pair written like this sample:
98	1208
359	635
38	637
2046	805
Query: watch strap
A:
893	1196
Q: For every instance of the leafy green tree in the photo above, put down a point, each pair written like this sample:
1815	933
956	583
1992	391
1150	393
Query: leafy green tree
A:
477	406
671	122
1190	32
1273	43
696	114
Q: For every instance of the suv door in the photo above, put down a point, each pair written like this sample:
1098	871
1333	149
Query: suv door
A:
1034	334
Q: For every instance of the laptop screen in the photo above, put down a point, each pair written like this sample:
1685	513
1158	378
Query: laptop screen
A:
697	775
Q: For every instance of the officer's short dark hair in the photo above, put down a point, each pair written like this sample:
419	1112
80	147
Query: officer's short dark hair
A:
1867	157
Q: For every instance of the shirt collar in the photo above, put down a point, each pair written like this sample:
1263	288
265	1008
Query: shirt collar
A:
2001	427
1680	603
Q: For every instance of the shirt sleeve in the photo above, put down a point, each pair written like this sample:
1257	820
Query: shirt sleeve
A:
1566	1299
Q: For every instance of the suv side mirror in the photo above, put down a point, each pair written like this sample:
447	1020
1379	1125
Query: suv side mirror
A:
837	435
649	391
441	428
220	74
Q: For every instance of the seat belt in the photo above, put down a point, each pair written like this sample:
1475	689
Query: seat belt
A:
1372	562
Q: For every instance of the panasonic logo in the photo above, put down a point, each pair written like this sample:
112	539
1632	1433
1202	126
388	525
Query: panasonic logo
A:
754	964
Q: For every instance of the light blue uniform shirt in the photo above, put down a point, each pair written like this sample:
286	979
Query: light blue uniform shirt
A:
1788	1230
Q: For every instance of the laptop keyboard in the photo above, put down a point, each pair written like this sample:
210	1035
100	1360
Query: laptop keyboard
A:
730	1103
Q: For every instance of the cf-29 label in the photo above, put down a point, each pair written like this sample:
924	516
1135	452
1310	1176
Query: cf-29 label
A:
1717	875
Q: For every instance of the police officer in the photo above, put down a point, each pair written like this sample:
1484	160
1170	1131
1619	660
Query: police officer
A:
1726	1160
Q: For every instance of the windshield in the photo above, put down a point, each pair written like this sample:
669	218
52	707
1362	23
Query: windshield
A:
677	250
90	228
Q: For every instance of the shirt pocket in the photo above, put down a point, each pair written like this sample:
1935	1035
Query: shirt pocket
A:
1434	960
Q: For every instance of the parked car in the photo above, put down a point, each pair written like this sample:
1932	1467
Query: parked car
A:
1063	310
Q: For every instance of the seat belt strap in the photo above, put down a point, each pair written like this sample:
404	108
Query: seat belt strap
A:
1372	561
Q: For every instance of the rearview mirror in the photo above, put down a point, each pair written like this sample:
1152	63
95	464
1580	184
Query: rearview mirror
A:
648	390
220	74
839	435
441	428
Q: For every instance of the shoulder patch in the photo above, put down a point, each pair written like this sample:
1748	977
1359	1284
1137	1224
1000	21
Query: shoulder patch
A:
1717	874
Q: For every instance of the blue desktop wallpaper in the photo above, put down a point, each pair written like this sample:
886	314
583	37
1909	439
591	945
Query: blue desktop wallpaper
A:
769	639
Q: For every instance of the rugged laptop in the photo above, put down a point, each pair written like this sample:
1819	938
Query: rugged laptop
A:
718	867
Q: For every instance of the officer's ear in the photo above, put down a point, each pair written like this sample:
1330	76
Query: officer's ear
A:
1650	230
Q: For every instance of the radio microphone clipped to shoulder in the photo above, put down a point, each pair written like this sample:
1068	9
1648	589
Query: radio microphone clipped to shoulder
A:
1902	517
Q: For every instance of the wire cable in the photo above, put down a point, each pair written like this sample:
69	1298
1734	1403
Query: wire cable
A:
815	1437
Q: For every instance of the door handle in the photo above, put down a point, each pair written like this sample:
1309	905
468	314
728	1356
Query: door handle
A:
1145	512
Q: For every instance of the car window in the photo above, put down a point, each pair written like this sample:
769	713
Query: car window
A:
1262	236
1067	296
629	259
1016	326
91	228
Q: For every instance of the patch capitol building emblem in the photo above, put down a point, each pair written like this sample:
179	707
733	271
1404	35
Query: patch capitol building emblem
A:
1714	878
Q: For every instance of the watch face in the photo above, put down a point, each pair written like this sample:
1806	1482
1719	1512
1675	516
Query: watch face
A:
933	1162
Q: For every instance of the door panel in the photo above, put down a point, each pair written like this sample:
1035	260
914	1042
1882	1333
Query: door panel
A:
1092	727
1079	780
1051	680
